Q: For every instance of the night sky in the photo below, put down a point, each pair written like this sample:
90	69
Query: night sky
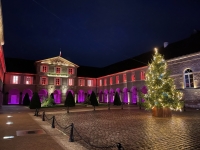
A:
94	32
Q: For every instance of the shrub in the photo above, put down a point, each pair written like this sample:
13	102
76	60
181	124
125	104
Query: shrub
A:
49	102
69	102
87	100
93	99
35	101
26	100
117	100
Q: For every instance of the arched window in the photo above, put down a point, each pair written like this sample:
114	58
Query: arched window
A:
188	77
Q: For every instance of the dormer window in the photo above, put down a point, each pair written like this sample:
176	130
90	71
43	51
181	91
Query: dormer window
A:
70	82
89	82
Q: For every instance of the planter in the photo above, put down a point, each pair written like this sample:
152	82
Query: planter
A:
161	112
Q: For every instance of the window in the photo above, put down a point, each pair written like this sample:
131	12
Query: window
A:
58	69
57	81
142	75
70	82
105	82
81	82
117	79
43	68
111	81
28	80
100	82
188	76
133	76
43	80
15	80
70	71
89	82
124	77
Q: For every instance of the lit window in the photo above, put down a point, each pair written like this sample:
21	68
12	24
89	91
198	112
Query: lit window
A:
28	80
70	71
57	81
105	82
89	82
81	82
117	79
142	75
15	79
44	68
100	82
43	81
70	82
133	77
124	77
111	81
57	69
189	81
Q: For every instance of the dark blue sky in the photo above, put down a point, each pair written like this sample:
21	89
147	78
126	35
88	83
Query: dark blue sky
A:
94	32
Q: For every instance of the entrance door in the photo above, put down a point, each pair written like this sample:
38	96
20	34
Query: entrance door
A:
14	99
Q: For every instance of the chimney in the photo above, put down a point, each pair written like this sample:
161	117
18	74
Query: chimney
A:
165	44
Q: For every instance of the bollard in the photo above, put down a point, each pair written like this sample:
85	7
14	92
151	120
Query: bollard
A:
53	122
43	116
119	146
67	109
71	137
122	106
35	112
108	106
184	108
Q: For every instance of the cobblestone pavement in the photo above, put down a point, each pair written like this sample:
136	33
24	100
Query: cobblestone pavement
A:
134	129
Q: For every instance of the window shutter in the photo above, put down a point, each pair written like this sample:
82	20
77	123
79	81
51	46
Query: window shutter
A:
54	69
40	80
60	70
46	81
11	79
60	81
54	81
41	68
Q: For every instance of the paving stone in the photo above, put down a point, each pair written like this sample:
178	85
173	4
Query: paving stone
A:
133	128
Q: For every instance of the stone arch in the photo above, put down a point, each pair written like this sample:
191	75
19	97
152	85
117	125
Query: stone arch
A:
105	96
43	94
81	96
125	95
57	96
112	94
144	90
13	96
30	94
134	95
100	96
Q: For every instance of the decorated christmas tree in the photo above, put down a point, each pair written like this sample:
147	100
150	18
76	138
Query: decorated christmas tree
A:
162	92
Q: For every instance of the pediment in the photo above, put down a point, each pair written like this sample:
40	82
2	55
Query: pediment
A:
57	61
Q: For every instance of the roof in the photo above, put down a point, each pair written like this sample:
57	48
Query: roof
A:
20	65
180	48
86	71
58	59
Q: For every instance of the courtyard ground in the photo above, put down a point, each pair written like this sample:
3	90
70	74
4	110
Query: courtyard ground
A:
133	128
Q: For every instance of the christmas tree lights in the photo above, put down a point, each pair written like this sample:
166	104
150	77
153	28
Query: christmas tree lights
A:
161	89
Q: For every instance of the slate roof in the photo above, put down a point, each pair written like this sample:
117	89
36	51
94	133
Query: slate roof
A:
20	65
183	47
